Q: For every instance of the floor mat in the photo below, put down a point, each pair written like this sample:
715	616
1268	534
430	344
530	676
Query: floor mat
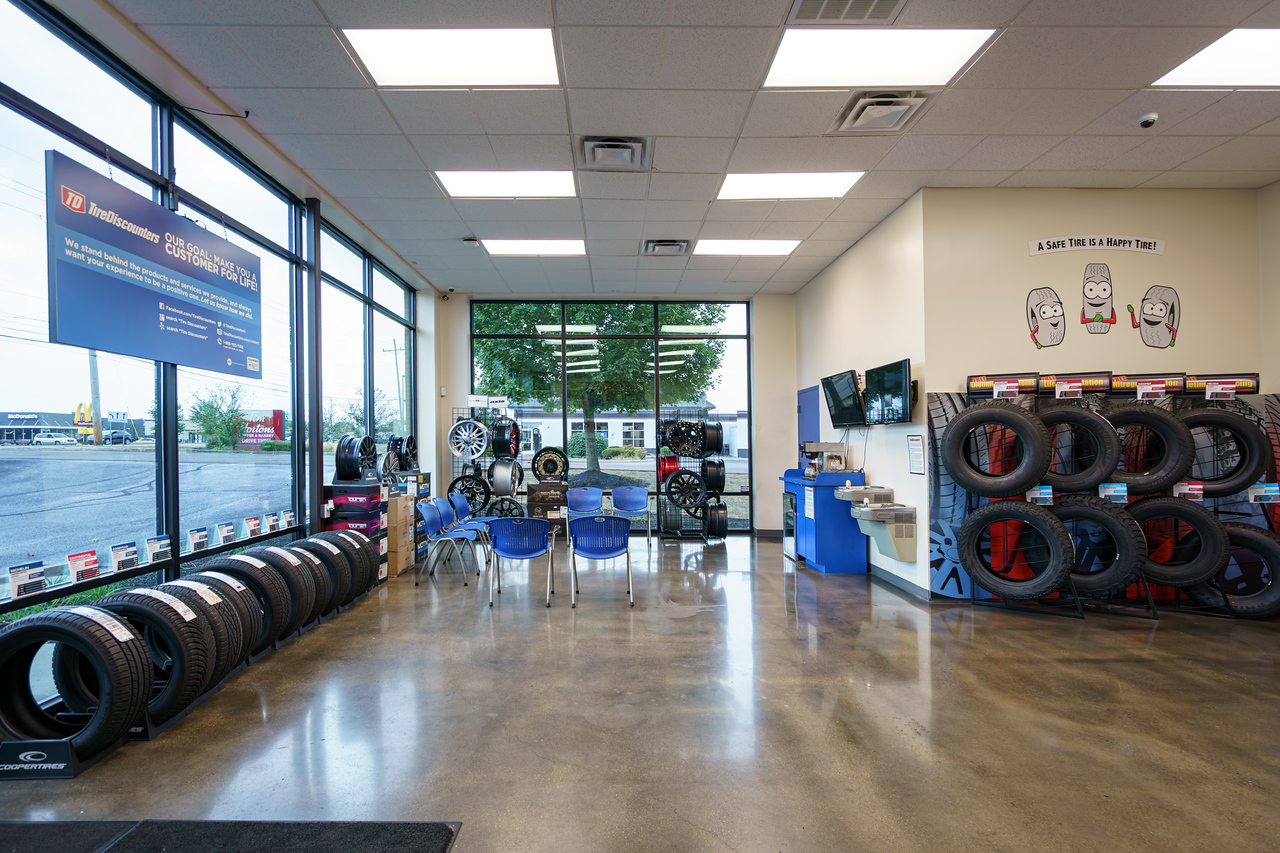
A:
69	837
181	836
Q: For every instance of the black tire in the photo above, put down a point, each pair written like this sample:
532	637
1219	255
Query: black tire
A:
965	449
302	591
1251	578
1110	549
1042	545
367	552
181	648
1154	443
224	623
319	577
1085	448
330	556
267	586
355	562
1220	437
243	601
949	502
1188	552
111	651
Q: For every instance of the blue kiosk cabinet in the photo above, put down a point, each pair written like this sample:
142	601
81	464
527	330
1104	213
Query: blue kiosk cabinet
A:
827	537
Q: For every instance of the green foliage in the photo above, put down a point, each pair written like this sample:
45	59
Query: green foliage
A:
271	445
343	416
623	453
218	414
577	448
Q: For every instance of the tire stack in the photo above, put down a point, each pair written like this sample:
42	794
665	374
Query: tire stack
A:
1013	549
691	479
161	649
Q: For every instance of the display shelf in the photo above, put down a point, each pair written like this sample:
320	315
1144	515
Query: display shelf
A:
690	522
487	416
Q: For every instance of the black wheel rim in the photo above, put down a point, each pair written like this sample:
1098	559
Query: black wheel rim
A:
685	438
686	489
507	508
475	490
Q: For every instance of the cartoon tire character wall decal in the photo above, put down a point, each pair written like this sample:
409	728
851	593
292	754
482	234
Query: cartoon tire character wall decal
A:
1158	317
1045	317
1099	312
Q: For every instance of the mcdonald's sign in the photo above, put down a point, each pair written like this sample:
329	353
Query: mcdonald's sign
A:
84	415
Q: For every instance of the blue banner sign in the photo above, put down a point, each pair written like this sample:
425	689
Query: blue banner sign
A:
129	276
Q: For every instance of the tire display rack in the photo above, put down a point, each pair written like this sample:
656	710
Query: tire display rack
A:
481	464
684	524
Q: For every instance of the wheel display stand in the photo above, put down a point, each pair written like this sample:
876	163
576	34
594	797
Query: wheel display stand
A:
691	522
49	759
487	416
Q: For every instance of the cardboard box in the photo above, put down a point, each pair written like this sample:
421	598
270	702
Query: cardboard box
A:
399	562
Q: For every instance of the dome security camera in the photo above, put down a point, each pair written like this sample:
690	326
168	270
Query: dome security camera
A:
1147	119
451	290
444	297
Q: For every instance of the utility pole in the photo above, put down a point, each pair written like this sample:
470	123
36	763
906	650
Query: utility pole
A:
395	348
94	406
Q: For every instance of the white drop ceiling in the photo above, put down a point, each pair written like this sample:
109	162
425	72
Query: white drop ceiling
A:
1053	102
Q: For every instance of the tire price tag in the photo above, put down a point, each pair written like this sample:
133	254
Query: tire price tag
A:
1004	388
1041	496
1068	389
1151	390
1114	492
1219	390
1192	490
1264	493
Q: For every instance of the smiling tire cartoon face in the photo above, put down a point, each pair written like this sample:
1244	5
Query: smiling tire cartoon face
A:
1098	314
1159	316
1045	317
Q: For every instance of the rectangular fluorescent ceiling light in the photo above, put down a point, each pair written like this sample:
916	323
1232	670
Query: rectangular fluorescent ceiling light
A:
745	247
1240	58
685	330
585	370
872	57
457	57
535	247
671	352
788	185
508	184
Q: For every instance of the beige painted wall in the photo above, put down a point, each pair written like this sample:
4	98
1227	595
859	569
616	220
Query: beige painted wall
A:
1269	273
453	373
773	402
428	388
978	272
864	310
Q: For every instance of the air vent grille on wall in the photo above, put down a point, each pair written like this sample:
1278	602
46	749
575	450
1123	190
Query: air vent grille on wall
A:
664	247
614	153
880	112
842	13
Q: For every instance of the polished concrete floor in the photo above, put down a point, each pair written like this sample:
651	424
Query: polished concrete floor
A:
741	705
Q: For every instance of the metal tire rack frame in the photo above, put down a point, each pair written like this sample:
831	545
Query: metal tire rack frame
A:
690	527
482	462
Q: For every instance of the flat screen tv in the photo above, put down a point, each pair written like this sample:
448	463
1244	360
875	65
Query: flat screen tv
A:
844	400
888	395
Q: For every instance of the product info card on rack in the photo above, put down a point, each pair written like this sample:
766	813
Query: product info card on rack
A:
130	277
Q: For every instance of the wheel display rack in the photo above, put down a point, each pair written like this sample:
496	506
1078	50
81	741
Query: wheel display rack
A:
482	462
690	523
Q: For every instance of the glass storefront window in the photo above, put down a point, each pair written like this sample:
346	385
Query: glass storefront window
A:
391	412
693	318
515	318
339	262
390	294
211	177
608	318
341	369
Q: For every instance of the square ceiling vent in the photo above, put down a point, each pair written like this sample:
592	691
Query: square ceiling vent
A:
844	13
614	153
664	247
880	112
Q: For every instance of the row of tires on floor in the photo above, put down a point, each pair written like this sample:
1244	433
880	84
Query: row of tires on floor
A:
138	658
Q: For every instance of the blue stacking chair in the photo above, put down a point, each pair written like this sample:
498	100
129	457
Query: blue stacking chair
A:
520	539
585	500
452	522
437	535
462	511
633	502
599	537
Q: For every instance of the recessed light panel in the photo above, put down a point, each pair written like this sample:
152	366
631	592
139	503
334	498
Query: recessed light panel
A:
508	184
872	57
745	247
788	185
457	57
535	247
1240	58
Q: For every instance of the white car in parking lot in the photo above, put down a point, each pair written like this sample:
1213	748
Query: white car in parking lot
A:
52	438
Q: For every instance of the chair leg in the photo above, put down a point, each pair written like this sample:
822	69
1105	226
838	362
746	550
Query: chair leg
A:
573	579
630	594
493	572
549	589
457	550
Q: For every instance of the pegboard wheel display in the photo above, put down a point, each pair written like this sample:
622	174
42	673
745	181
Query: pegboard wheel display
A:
691	477
496	470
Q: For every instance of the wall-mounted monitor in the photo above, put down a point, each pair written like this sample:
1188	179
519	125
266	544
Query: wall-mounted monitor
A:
888	395
844	400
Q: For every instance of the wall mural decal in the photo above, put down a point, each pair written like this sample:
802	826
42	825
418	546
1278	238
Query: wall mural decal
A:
1098	314
1161	313
1045	317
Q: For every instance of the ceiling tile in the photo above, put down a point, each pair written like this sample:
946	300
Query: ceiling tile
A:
678	186
917	151
842	230
384	151
1172	106
613	262
757	276
595	13
557	286
838	153
343	183
286	13
494	13
612	185
672	229
385	13
612	57
389	229
730	229
782	230
674	210
1031	58
308	151
606	209
1165	152
272	110
822	248
560	209
724	263
299	56
614	229
518	267
553	230
999	111
613	112
468	262
1220	180
1196	13
948	13
1086	178
162	11
1006	152
702	113
612	247
772	154
794	113
209	54
716	58
1271	128
443	112
753	211
614	286
399	183
613	277
776	286
439	237
1248	153
1133	58
533	152
445	247
455	152
490	209
886	184
560	266
498	230
1238	112
730	13
665	265
1101	13
703	276
803	210
1267	16
524	111
864	209
479	287
770	264
344	110
1085	152
412	210
691	154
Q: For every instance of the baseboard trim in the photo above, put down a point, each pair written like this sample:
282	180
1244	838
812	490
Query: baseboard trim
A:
900	583
766	533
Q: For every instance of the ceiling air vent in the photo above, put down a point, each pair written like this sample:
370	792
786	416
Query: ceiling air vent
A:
876	13
614	153
665	247
880	112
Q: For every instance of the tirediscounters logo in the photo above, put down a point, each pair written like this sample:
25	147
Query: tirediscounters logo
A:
73	199
33	761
